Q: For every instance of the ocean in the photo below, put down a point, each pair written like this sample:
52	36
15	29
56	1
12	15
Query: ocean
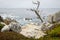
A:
20	14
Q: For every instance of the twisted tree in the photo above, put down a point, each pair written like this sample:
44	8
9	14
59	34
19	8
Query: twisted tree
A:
37	10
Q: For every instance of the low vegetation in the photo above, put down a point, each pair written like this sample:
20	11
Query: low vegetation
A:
53	34
1	26
13	36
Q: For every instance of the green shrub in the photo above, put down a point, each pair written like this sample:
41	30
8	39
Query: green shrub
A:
56	31
1	26
53	34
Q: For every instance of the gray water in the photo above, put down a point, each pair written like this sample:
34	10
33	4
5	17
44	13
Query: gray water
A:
20	13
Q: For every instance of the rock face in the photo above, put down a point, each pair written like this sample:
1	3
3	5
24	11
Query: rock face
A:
54	18
5	28
46	26
12	26
15	27
57	16
33	31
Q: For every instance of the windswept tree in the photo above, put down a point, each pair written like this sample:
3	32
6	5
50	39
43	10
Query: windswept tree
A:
36	10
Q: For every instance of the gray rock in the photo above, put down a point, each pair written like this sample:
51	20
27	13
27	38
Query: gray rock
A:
12	26
15	27
54	17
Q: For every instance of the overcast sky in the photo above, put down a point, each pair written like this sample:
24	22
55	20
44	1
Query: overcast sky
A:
28	3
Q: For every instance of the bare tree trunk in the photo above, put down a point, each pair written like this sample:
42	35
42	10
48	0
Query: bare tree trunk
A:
52	19
36	11
38	15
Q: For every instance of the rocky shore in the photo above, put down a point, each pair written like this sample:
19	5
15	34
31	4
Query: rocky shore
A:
29	30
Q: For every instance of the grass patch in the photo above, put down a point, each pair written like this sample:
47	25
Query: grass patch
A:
13	36
53	34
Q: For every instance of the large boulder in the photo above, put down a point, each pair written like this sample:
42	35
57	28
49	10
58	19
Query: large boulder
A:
5	28
35	31
31	30
15	26
46	26
54	17
12	26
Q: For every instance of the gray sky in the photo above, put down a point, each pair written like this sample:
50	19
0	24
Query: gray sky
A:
28	3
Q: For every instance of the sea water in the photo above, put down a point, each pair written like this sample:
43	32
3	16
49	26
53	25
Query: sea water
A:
19	14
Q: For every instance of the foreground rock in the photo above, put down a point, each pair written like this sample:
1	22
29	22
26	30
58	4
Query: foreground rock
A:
34	31
12	26
46	26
